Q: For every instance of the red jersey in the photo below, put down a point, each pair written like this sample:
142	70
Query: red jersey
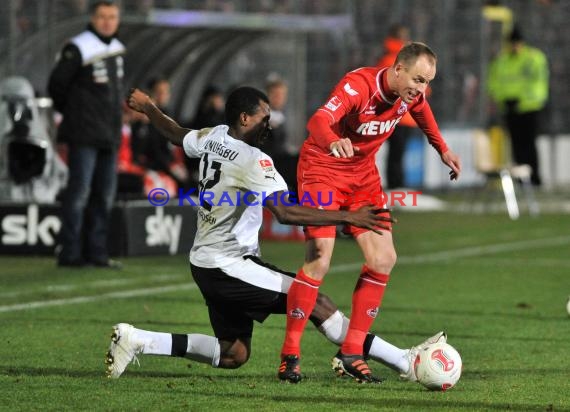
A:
359	108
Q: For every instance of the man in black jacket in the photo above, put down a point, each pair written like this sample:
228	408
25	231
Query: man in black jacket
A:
86	86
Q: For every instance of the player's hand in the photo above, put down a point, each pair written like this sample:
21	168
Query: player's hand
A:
368	217
137	100
343	148
454	163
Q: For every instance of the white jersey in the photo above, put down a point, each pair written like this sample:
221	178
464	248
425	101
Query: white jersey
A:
234	179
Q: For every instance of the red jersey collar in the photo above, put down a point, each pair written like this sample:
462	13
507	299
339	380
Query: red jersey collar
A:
382	85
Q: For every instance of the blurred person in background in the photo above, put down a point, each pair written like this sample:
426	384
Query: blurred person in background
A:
518	84
210	113
338	160
277	93
151	150
130	175
277	146
86	86
398	37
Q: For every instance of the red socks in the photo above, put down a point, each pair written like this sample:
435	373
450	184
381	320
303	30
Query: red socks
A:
301	300
366	300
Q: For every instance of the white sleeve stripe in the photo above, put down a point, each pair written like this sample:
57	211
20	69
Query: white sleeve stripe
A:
329	113
372	281
305	283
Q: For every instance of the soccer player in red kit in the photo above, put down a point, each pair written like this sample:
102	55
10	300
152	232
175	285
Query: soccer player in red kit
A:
337	162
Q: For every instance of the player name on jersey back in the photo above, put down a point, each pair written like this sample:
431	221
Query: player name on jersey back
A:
221	150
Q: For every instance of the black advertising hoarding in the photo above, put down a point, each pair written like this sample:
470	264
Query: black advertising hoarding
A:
161	230
135	229
29	229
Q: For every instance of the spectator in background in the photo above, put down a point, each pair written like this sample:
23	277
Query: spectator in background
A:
277	145
86	86
150	149
277	93
518	84
398	37
210	113
130	175
142	131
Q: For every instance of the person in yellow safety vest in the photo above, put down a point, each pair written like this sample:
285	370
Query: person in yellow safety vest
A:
518	83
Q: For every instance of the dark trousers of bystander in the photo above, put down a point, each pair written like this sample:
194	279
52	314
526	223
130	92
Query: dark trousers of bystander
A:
523	129
395	162
90	192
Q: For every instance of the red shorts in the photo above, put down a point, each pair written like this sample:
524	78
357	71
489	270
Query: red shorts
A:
334	189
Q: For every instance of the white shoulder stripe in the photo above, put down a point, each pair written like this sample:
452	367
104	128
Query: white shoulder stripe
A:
327	112
92	48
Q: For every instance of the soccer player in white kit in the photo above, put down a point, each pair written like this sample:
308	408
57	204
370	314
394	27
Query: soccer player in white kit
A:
237	180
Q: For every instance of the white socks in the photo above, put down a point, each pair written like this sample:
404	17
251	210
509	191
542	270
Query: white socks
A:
206	349
155	343
201	348
389	355
335	327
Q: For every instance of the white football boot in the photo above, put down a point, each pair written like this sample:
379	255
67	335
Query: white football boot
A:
123	350
412	353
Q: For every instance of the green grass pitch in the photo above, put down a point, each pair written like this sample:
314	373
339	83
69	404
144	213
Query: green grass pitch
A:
499	288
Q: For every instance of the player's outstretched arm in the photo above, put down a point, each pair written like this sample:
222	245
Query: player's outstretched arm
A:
366	217
452	160
142	103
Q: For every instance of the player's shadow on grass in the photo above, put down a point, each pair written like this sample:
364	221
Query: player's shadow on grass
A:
107	323
190	381
500	373
356	402
523	313
62	372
